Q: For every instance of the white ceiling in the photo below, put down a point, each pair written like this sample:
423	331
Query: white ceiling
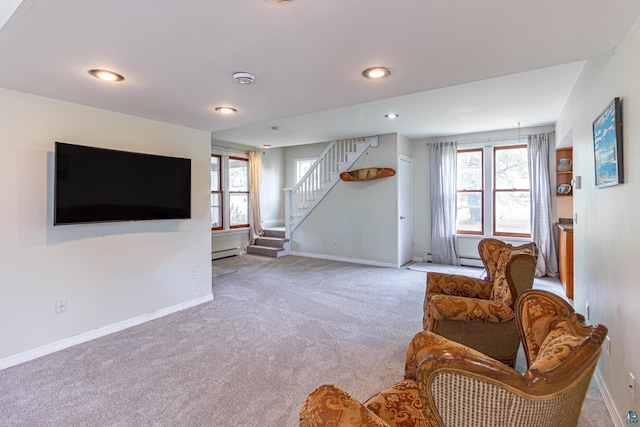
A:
458	66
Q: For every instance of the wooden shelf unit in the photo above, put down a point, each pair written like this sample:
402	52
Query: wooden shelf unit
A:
564	177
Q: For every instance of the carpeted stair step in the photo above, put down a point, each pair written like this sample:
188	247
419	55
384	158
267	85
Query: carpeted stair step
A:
274	233
273	242
266	251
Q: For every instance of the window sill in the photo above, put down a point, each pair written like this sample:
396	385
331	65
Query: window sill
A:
229	232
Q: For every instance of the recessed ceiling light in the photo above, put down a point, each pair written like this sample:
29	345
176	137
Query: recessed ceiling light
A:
106	75
392	115
376	72
278	1
244	78
266	145
226	110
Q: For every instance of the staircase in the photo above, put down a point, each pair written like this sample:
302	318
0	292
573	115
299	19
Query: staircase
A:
272	244
338	157
324	174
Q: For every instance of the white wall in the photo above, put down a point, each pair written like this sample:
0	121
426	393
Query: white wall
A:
272	188
107	272
607	233
356	220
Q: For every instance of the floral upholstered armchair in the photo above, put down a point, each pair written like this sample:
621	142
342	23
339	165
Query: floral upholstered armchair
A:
479	313
448	384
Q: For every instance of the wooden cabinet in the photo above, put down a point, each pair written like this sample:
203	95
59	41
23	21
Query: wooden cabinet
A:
565	247
564	171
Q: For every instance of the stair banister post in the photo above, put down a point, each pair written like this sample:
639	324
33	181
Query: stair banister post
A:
287	213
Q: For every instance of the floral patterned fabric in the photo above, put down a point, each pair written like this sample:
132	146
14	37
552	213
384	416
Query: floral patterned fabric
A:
424	343
396	406
461	286
556	347
399	405
538	317
500	291
445	307
331	406
491	249
451	285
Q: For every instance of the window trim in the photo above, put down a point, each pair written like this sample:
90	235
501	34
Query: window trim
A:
224	190
231	227
220	192
489	189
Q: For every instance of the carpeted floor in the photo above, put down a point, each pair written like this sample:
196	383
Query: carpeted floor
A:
276	329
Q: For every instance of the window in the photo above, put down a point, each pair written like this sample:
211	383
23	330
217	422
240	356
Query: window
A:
229	192
511	194
493	191
238	192
470	192
216	193
303	166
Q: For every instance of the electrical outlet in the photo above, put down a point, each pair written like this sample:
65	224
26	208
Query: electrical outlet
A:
61	305
196	273
632	386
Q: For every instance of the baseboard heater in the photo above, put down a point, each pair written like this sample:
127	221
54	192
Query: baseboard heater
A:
225	253
468	262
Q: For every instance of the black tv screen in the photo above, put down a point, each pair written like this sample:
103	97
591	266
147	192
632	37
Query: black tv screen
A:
103	185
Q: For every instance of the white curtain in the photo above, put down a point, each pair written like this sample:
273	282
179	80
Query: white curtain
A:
541	217
442	177
255	171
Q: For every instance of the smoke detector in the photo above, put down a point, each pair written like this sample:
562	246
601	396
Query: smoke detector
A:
243	78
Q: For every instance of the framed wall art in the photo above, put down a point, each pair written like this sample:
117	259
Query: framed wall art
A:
607	146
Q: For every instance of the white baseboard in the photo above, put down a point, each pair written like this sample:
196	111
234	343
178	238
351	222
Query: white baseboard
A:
345	259
617	421
224	253
35	353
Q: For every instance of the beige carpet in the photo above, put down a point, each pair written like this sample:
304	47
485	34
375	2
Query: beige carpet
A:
276	329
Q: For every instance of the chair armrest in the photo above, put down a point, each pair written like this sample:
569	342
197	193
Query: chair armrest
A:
331	406
425	342
445	307
458	285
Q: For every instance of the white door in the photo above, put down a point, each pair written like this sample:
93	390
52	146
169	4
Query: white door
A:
405	209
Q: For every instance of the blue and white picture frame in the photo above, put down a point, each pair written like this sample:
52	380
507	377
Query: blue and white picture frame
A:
607	146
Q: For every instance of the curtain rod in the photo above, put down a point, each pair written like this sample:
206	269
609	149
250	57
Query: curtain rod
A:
503	138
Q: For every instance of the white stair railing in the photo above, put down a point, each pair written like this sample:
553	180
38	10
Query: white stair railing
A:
338	157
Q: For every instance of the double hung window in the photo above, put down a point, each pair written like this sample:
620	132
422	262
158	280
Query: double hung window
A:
229	192
493	191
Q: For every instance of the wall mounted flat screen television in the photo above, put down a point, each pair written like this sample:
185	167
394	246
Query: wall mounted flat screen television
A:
103	185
